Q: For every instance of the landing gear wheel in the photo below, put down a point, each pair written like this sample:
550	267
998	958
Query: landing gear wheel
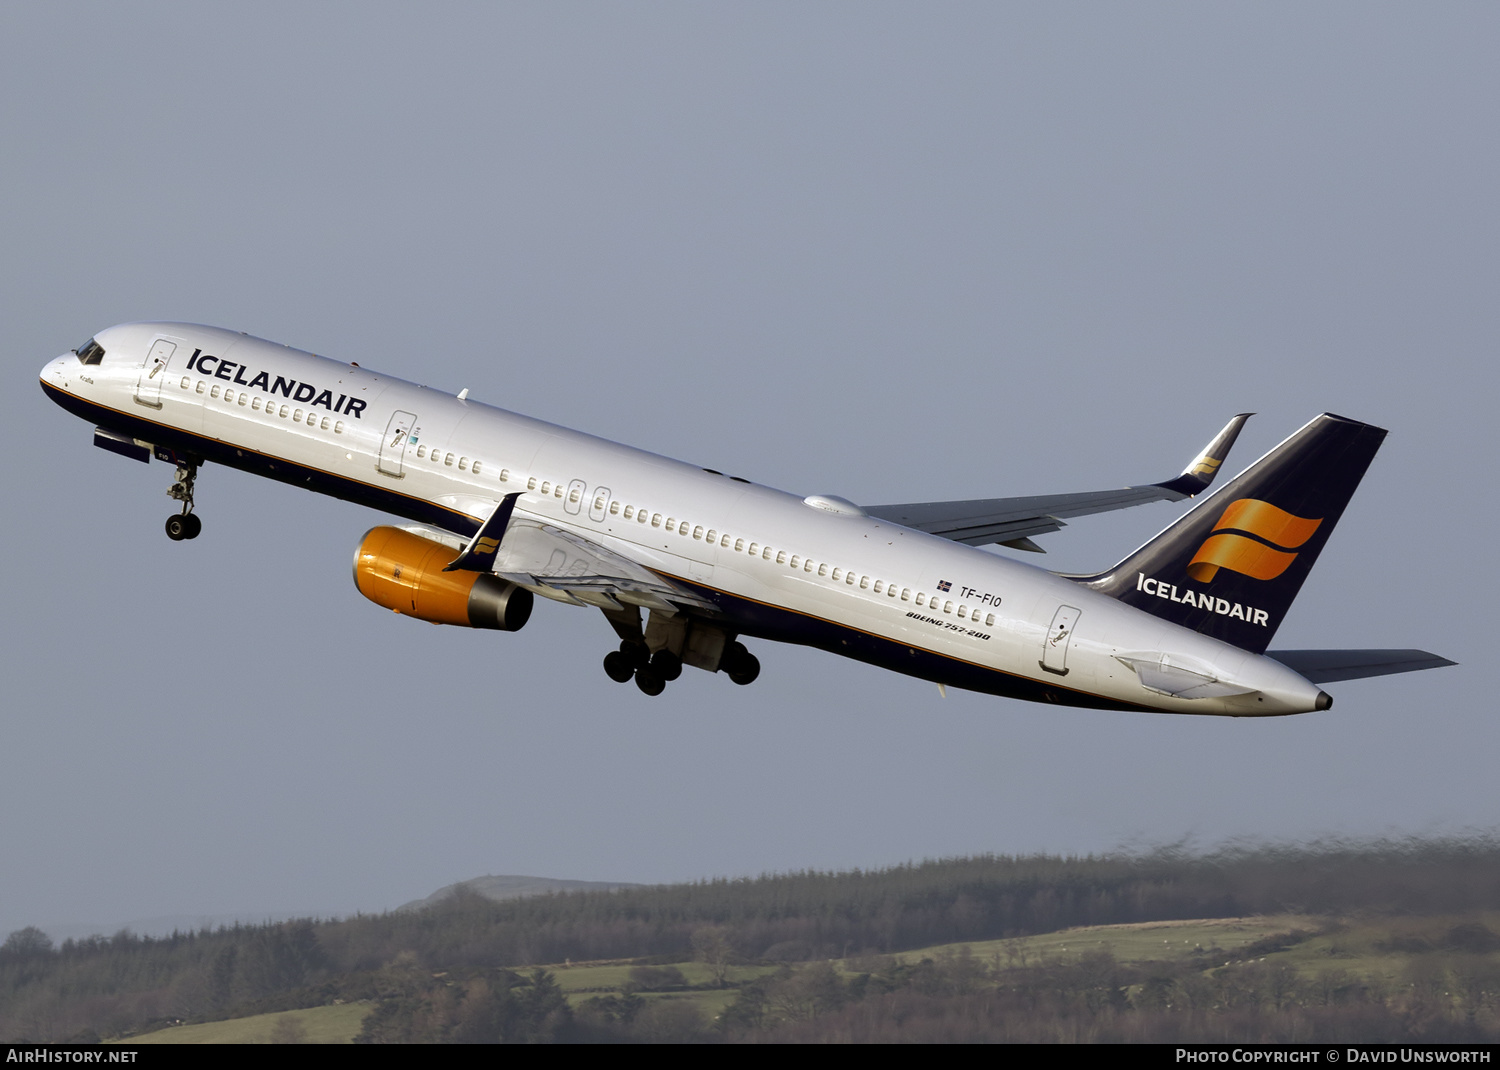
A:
741	666
666	664
649	683
637	654
184	525
747	672
618	667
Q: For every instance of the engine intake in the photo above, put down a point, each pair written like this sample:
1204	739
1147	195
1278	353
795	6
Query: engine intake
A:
404	572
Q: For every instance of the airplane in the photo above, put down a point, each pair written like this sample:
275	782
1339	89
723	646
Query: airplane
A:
685	562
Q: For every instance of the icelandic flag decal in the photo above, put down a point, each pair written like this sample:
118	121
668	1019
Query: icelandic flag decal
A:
944	585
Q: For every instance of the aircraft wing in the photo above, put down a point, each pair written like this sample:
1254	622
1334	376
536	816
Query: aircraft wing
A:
1012	521
560	565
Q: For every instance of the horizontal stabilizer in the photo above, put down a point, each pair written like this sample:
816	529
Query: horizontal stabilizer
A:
1010	521
1328	666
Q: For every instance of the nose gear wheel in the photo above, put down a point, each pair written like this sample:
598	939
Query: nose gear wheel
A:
184	525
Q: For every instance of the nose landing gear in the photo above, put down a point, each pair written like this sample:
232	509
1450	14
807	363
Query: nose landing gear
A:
184	525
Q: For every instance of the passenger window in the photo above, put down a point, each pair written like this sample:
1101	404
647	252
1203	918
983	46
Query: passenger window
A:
463	464
849	578
989	619
921	599
796	561
864	583
739	545
573	497
629	512
807	565
614	509
199	388
476	467
838	574
284	410
724	540
255	405
214	392
546	486
640	516
962	611
421	452
242	399
656	520
297	416
505	475
754	549
187	381
823	569
312	418
338	427
765	553
531	483
323	423
557	491
448	460
698	532
947	607
713	536
671	523
781	557
877	586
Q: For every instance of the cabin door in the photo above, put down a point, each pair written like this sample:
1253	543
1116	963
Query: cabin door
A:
1055	646
154	373
393	445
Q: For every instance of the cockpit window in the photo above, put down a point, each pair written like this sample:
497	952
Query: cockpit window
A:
91	352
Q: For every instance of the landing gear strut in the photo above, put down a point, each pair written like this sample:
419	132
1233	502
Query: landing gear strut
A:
184	525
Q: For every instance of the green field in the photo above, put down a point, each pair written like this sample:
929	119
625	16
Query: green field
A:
1374	950
1139	942
337	1024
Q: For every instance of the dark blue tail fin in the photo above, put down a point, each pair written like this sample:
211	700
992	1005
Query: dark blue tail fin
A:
1231	567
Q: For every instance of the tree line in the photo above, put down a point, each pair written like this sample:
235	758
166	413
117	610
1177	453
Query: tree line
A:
124	983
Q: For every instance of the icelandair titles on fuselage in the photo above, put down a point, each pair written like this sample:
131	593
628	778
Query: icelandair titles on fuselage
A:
1221	606
306	393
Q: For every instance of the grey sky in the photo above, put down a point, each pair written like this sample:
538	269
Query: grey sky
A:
892	252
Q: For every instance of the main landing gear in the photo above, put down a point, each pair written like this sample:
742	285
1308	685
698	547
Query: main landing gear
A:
184	525
652	672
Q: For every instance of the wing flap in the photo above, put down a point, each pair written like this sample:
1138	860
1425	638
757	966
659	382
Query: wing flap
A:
560	565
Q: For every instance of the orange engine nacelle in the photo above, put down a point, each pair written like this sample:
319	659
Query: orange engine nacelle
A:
404	572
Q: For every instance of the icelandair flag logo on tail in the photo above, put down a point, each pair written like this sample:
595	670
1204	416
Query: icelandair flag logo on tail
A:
1253	538
1207	467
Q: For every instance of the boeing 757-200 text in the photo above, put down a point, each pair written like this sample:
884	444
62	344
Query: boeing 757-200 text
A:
685	562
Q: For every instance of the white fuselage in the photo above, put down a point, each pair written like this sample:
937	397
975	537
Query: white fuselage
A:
840	580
